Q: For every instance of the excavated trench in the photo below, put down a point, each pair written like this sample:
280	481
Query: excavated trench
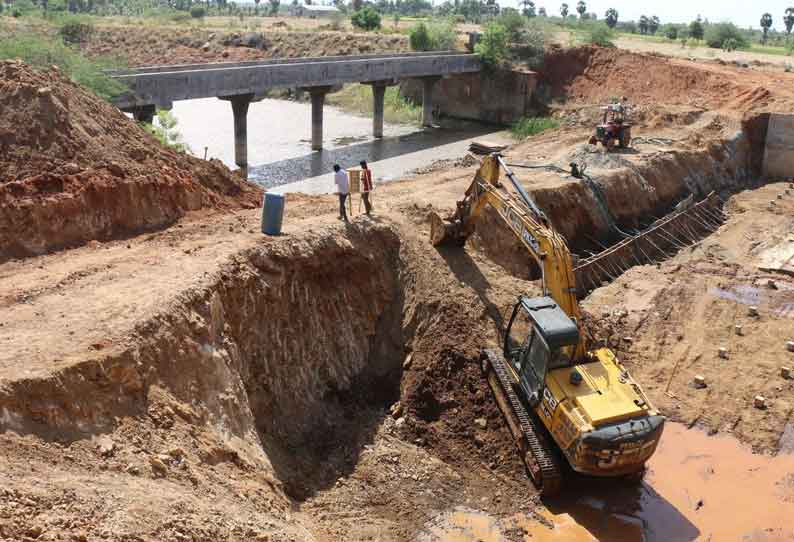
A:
632	197
295	350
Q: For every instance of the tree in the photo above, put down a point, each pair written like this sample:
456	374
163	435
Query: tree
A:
766	24
612	17
356	4
564	11
529	8
581	9
644	24
542	12
256	9
788	20
696	28
274	5
366	18
653	24
492	47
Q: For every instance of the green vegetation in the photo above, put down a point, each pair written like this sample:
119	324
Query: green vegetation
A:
164	129
358	99
198	12
492	46
433	36
366	18
725	36
529	126
75	29
511	37
43	52
599	34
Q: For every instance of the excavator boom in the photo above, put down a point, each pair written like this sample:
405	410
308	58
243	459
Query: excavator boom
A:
549	386
530	225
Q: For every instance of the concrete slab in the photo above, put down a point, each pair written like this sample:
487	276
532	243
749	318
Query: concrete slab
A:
779	152
778	259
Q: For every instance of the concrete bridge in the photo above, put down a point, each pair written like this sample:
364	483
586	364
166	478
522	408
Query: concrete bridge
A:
243	82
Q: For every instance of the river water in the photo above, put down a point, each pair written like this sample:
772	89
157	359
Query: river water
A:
279	142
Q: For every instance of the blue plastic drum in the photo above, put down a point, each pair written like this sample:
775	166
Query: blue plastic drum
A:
272	213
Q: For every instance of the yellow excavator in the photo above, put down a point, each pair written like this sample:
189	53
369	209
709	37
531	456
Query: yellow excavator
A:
560	398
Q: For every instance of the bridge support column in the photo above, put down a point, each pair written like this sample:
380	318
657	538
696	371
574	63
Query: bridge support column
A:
427	100
143	113
378	94
240	105
318	101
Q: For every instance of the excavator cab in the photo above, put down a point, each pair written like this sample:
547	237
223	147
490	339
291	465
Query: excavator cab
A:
540	337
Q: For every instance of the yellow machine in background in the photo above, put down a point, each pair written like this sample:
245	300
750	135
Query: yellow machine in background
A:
547	382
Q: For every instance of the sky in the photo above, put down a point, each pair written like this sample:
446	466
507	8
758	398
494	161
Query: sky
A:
742	13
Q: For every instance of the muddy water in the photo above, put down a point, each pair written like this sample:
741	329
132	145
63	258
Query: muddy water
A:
698	488
279	145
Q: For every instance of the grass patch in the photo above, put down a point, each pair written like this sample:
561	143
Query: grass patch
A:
43	52
358	99
529	126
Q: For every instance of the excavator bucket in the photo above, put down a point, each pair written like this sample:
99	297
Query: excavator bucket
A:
443	233
684	226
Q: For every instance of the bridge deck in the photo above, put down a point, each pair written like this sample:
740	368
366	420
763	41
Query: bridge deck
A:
162	85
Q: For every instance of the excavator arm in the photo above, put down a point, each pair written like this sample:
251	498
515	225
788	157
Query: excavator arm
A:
530	225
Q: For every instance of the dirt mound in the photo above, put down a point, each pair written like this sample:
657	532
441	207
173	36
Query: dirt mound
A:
179	46
74	168
596	74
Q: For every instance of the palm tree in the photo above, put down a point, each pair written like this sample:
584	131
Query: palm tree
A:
644	24
788	20
612	17
766	24
529	8
653	24
564	11
542	12
581	9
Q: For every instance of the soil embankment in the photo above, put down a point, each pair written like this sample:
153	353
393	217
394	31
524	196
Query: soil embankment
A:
74	169
183	46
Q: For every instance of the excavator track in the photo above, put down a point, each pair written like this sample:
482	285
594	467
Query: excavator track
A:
539	456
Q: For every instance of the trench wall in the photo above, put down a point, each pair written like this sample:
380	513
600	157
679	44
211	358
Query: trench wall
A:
635	196
252	354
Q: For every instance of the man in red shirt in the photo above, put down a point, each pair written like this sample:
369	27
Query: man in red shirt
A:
366	185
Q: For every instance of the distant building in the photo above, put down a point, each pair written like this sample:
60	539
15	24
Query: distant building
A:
313	11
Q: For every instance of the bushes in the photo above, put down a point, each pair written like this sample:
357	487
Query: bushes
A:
526	43
599	34
43	52
719	35
164	130
670	31
532	126
75	29
198	12
492	46
512	21
436	36
366	18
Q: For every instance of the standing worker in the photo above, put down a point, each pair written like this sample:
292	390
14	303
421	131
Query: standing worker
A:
366	188
342	189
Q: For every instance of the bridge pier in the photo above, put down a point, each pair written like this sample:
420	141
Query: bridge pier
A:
378	95
427	100
318	101
240	105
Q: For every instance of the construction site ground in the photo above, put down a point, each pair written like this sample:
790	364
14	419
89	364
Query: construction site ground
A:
201	381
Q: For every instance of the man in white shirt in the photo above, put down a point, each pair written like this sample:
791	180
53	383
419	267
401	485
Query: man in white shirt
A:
342	188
